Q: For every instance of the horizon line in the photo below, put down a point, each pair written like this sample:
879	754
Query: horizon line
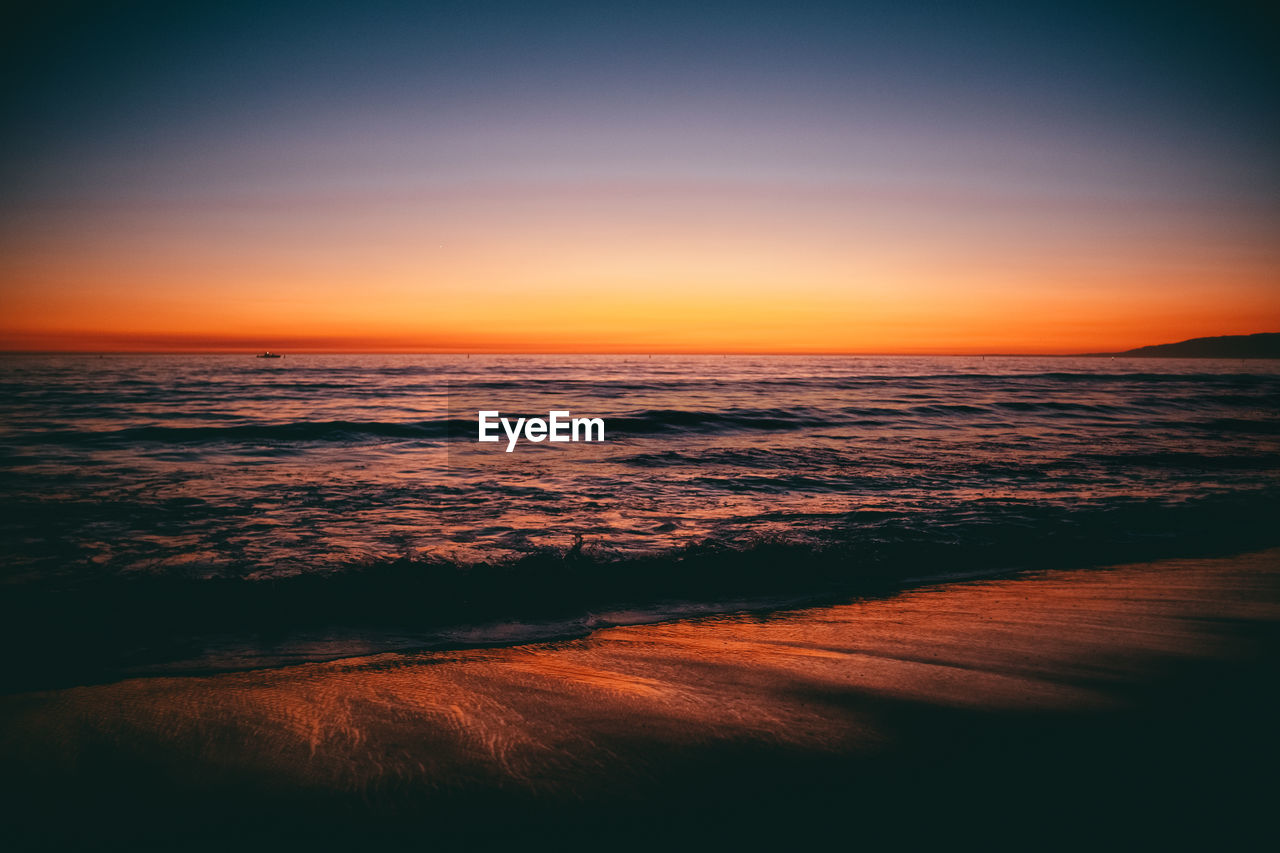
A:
641	353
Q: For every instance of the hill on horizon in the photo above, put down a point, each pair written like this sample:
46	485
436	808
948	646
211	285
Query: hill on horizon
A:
1260	345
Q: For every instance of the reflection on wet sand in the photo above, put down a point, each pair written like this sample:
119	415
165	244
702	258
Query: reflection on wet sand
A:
628	710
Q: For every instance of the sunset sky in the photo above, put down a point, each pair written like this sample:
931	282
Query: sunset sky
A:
651	177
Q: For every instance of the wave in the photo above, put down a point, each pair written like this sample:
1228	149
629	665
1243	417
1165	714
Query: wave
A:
298	431
67	626
679	420
639	423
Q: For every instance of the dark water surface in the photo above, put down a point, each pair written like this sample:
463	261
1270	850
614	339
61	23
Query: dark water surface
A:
163	513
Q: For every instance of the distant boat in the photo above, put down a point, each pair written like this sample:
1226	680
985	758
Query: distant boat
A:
270	354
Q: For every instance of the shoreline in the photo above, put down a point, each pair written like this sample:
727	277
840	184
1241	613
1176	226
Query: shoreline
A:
174	627
1059	677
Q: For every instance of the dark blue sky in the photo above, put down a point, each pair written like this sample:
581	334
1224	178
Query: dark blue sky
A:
182	82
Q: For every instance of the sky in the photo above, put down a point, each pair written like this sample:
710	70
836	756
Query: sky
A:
637	177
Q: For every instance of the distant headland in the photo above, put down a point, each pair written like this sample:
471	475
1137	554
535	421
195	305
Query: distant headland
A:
1261	345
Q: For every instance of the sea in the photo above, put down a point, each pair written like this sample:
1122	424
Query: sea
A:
168	514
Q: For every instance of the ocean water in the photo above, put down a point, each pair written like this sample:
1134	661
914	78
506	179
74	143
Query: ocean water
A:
173	513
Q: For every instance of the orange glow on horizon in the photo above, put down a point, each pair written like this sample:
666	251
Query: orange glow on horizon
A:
669	271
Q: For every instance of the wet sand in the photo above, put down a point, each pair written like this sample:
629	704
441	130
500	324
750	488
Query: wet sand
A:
1132	701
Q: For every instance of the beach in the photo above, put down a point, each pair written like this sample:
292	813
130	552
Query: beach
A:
1123	692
